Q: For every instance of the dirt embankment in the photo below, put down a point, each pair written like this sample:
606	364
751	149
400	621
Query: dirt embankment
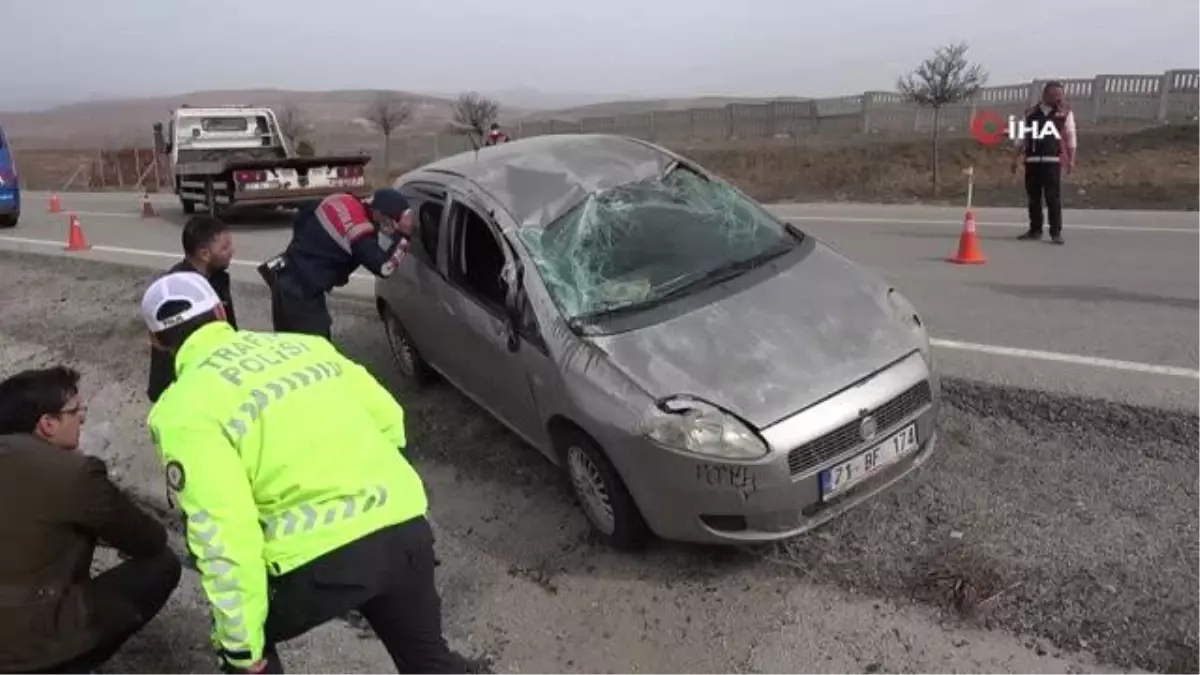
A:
1148	169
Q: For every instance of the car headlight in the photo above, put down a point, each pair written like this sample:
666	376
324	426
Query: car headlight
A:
692	425
907	314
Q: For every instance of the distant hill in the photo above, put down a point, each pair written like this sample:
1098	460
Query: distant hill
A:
336	117
638	107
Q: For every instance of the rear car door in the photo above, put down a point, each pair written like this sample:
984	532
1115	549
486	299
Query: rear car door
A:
482	365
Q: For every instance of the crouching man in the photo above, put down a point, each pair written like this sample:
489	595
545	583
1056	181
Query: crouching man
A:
55	504
285	458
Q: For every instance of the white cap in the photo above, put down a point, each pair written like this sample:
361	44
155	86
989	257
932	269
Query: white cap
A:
186	287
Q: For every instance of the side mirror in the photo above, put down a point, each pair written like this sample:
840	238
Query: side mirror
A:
160	141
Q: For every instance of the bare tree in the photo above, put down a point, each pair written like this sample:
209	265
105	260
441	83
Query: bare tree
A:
388	113
944	79
474	114
292	123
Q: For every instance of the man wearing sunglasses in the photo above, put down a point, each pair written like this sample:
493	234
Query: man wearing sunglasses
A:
331	240
55	505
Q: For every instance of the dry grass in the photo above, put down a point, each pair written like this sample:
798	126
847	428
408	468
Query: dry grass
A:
1148	169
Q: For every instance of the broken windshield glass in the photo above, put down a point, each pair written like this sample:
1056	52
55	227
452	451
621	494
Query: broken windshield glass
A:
638	244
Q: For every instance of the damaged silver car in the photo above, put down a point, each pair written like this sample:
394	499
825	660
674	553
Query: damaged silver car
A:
701	369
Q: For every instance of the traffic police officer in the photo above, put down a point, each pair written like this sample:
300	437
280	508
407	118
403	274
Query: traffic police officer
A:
285	460
331	240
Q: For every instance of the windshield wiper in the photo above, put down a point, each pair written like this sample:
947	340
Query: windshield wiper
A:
686	285
724	272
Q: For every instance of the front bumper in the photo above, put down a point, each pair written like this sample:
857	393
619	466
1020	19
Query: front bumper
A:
688	498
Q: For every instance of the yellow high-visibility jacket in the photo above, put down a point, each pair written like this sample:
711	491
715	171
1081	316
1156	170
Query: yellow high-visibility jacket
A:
277	449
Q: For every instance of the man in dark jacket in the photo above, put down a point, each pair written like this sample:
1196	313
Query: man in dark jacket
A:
207	249
55	504
1045	160
331	240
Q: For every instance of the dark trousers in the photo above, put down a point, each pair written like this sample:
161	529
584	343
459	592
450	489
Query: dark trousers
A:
1043	181
388	577
294	309
147	583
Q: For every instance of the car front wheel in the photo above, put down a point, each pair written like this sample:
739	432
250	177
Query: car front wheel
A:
413	368
602	494
9	220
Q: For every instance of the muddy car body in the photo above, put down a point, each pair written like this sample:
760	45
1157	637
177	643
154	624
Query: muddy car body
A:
701	369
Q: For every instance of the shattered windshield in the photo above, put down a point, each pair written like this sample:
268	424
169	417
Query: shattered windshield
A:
640	244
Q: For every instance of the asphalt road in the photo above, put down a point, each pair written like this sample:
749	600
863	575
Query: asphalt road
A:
1113	314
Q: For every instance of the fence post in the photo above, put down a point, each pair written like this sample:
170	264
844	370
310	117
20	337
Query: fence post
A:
1098	84
864	117
1164	95
728	122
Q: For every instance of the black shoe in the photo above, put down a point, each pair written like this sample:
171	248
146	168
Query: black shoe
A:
1030	235
1057	239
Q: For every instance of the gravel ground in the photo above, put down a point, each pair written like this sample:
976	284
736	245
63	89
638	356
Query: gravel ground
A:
1070	519
1047	535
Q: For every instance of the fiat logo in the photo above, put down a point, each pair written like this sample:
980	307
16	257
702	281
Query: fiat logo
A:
867	428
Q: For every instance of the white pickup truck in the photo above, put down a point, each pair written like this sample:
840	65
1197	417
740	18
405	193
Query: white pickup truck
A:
235	156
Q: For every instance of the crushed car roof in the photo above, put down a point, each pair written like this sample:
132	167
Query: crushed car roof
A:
539	179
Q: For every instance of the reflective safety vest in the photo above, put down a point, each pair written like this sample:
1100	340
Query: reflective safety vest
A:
277	449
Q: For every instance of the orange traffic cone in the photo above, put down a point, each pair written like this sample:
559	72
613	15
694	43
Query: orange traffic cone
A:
969	252
75	239
55	204
147	208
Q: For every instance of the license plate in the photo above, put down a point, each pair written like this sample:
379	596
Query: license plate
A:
837	479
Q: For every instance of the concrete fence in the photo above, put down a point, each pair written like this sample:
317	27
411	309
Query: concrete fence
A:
1171	97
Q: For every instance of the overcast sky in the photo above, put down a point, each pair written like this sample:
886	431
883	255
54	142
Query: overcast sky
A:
64	50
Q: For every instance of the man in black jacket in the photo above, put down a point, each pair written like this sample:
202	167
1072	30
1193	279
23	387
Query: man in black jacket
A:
207	249
55	505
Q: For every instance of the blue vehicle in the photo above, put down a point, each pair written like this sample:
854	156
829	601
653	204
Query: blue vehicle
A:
10	190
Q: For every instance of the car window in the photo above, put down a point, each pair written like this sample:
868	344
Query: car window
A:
429	224
476	261
428	203
630	246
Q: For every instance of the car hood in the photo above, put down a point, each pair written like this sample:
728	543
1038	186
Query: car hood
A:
770	350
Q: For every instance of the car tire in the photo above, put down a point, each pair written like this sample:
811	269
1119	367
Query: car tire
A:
9	220
601	493
409	362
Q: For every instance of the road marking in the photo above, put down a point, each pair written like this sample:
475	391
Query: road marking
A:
1076	359
835	219
920	221
358	276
